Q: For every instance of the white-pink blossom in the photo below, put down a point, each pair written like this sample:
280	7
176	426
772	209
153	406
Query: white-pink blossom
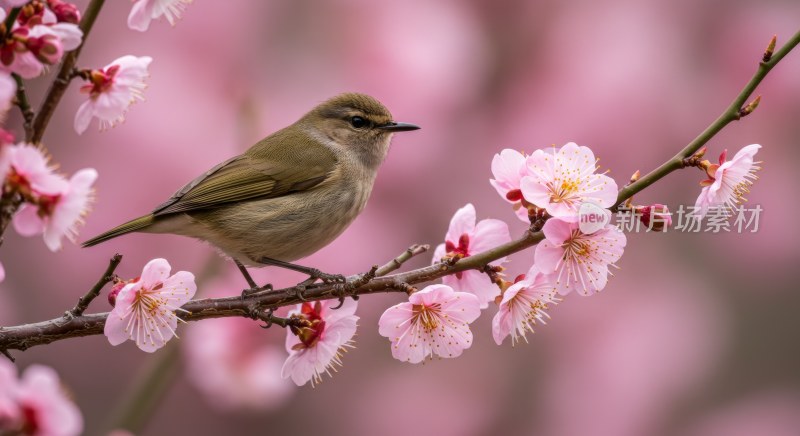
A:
58	214
465	238
575	260
316	347
561	179
25	166
144	11
523	306
112	90
729	181
36	403
145	309
434	321
508	168
2	272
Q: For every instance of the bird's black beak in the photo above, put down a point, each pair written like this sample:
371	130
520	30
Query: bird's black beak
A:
397	127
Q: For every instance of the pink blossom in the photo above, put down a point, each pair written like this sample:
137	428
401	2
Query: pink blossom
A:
560	180
434	321
8	89
36	403
463	239
112	90
145	11
33	47
317	347
65	12
523	305
508	168
729	181
2	272
145	309
577	260
235	366
26	167
58	215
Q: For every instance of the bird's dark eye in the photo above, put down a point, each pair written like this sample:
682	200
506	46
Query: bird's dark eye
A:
358	122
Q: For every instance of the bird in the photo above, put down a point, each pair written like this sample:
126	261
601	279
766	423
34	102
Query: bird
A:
286	197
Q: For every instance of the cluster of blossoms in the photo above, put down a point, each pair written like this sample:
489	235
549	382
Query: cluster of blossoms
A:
54	205
35	35
556	186
36	403
39	36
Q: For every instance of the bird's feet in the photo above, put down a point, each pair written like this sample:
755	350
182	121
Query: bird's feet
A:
256	289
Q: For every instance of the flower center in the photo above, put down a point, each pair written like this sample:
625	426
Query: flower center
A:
564	191
148	301
576	246
427	316
101	81
311	332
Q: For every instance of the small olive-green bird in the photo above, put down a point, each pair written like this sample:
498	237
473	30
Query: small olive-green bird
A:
289	195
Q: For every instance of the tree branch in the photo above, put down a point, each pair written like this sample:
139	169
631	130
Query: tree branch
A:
731	113
24	105
40	333
108	275
59	85
398	261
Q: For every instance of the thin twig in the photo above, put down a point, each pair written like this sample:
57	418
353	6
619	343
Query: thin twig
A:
730	114
10	19
398	261
24	105
8	355
107	276
64	76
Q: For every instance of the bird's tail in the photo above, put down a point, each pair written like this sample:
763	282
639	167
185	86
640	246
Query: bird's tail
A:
131	226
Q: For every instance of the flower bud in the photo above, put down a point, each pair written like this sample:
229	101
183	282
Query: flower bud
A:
656	217
46	48
65	12
112	294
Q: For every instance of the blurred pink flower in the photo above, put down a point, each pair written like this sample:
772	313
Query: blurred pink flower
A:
508	169
25	166
729	181
112	90
145	309
59	214
145	11
36	404
7	4
578	260
434	321
465	238
34	47
561	179
2	272
235	366
316	348
523	305
64	12
8	89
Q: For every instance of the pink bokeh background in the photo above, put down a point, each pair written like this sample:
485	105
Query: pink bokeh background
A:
696	334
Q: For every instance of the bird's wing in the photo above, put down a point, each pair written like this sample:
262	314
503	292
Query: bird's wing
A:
266	174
